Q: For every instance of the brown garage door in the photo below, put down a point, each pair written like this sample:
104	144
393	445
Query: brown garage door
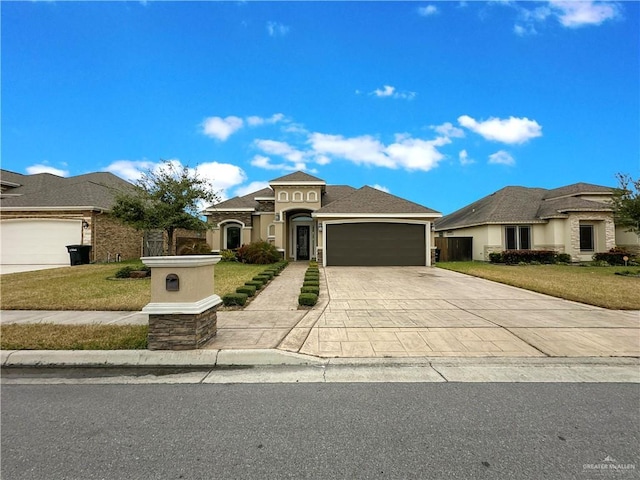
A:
375	243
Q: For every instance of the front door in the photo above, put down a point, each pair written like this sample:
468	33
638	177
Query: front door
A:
302	242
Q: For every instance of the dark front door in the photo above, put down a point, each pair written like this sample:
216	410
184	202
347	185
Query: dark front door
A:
302	242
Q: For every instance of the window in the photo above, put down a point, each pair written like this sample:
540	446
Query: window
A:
586	238
517	237
312	196
232	234
283	196
297	196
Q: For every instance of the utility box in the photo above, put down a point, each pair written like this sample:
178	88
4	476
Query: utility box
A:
183	307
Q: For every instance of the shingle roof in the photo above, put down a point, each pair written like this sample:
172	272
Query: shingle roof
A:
297	177
335	192
524	205
246	201
44	190
370	200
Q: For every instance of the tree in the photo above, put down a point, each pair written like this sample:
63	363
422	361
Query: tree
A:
165	198
626	203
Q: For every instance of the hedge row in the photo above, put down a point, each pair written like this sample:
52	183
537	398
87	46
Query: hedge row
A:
311	286
514	257
250	288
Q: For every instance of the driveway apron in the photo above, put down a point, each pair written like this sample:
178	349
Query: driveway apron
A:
422	311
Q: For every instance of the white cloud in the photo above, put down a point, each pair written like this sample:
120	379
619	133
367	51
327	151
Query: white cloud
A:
390	91
130	170
463	156
381	188
448	130
255	121
363	150
573	14
501	158
511	130
40	168
261	161
250	188
275	29
428	10
322	160
281	149
416	154
221	128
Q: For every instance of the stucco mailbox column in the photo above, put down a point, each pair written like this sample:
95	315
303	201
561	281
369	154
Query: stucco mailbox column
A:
182	311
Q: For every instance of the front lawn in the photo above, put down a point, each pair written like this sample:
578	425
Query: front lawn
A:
598	286
88	287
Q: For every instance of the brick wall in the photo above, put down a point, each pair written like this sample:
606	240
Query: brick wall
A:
112	237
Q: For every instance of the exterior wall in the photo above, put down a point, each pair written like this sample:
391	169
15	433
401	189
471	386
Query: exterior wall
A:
628	240
293	197
215	236
482	245
604	232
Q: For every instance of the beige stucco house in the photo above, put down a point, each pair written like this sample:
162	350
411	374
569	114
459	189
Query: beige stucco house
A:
336	224
576	219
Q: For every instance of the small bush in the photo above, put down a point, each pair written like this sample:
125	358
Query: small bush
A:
615	256
311	283
315	290
308	299
600	263
495	257
231	299
563	258
228	256
515	257
260	252
255	283
267	274
312	276
125	272
250	290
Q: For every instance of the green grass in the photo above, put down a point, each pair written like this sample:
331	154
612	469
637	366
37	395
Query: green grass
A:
88	287
598	286
73	337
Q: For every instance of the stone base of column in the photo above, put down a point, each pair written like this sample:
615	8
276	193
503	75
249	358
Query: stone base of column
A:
182	331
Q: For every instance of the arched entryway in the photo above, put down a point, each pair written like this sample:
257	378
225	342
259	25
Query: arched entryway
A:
302	235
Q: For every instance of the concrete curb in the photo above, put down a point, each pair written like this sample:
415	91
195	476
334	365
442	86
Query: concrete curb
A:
272	357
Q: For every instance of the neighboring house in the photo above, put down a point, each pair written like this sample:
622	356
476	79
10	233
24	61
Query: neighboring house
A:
43	213
338	225
575	219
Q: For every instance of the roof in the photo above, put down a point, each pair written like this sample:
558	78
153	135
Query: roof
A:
525	205
368	200
244	202
298	177
47	191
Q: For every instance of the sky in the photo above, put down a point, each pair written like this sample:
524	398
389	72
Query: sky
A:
441	103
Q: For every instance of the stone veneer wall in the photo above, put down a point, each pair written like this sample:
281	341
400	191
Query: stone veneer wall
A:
182	331
609	226
216	217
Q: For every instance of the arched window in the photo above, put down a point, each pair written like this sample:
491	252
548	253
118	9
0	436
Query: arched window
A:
232	236
283	196
297	196
271	230
312	196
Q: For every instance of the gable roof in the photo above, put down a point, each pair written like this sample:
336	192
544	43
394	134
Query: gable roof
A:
368	200
298	178
46	191
525	205
247	201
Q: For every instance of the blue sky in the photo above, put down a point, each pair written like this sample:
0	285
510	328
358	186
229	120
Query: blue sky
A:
441	103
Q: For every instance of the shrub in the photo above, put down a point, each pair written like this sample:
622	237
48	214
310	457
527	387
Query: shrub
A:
267	274
600	263
260	252
228	256
563	258
311	276
495	257
615	256
125	272
255	283
311	283
308	299
231	299
250	290
515	257
315	290
260	279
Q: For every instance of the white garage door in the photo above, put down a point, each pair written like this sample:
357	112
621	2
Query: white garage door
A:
36	244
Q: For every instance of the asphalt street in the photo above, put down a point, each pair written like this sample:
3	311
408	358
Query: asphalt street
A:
321	430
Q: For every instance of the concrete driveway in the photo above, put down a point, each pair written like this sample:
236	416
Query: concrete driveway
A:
420	311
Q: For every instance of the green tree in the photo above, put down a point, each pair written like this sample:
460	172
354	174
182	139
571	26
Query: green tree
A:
166	198
626	203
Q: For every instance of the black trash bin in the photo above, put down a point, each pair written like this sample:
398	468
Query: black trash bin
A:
79	254
437	259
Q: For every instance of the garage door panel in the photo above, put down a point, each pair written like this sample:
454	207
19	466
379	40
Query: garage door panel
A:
376	243
38	242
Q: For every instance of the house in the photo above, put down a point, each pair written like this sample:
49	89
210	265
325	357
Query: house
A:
43	213
336	224
576	219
